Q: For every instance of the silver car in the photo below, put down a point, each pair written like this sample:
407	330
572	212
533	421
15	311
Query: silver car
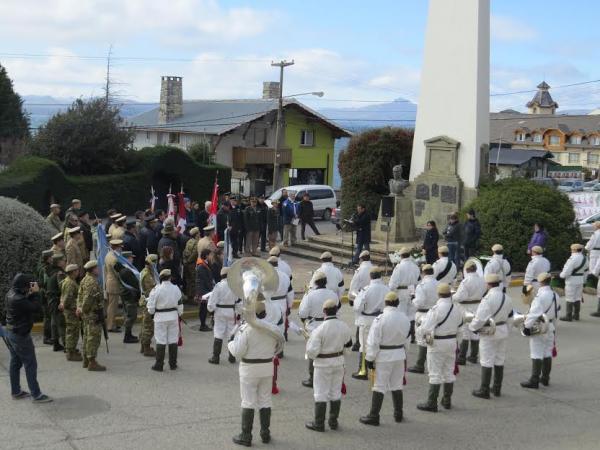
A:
586	226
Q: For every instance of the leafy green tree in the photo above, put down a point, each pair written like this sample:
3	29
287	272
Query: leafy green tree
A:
86	139
201	153
366	166
507	210
14	123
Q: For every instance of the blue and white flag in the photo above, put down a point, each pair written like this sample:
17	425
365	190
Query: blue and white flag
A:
227	253
103	249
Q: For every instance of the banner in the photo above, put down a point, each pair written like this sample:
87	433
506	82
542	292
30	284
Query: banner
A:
585	203
181	212
103	249
212	216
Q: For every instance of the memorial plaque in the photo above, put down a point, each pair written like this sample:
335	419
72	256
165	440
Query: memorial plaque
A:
435	190
419	207
448	194
422	192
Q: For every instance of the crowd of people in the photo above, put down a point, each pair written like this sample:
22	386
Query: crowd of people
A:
152	265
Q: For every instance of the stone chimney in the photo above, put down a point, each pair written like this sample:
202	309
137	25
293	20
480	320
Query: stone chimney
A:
270	90
171	99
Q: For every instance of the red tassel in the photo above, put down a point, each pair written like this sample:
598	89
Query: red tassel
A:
274	388
456	369
404	381
343	388
554	349
180	340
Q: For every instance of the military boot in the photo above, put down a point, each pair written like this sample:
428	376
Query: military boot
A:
419	366
85	362
546	368
318	424
160	357
373	417
474	356
576	309
484	389
173	356
431	404
231	358
447	396
568	317
334	413
534	380
72	355
245	437
311	370
358	375
597	313
398	400
265	424
498	376
142	348
461	359
149	351
216	356
130	338
93	366
356	345
57	347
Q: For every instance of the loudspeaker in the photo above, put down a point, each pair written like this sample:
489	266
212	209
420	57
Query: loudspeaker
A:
259	187
387	206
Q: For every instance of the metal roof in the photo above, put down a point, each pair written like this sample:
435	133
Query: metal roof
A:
542	97
222	116
504	124
516	157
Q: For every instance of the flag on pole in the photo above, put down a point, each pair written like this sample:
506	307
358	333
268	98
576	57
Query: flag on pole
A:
153	199
212	214
181	212
103	249
171	213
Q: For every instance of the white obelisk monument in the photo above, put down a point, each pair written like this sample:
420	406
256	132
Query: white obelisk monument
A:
452	128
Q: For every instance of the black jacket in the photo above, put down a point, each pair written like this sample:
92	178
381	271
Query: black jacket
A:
175	274
307	211
204	280
273	220
21	309
430	242
362	223
263	210
202	220
148	240
452	232
130	286
471	232
222	221
167	241
236	218
251	219
131	244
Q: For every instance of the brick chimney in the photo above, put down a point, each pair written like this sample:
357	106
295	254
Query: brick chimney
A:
171	99
270	90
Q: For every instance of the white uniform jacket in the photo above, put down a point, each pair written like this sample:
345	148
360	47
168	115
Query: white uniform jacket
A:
370	301
403	281
470	291
443	320
284	267
255	349
388	336
500	266
223	302
575	269
545	302
537	265
165	296
495	305
279	301
444	270
425	294
327	342
360	279
311	306
335	278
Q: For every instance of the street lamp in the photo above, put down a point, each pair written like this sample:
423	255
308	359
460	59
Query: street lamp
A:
317	94
520	122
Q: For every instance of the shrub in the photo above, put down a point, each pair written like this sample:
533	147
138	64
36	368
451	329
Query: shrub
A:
366	166
507	210
24	234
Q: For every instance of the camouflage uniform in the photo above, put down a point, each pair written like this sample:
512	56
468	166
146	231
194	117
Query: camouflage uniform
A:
74	255
55	275
42	280
68	299
54	221
90	302
190	255
148	282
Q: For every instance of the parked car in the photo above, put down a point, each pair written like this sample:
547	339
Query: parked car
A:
570	186
596	187
322	196
546	181
589	185
586	226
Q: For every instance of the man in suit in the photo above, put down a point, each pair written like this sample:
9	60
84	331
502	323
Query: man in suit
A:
362	224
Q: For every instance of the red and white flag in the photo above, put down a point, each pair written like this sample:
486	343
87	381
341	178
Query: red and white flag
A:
181	212
212	216
171	213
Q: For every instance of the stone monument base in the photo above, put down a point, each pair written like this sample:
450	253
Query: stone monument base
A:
402	225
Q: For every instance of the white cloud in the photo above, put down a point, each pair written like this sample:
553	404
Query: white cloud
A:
509	29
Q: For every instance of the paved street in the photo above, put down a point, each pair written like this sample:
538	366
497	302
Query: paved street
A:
132	407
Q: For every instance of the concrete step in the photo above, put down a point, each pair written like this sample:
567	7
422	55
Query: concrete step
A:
338	252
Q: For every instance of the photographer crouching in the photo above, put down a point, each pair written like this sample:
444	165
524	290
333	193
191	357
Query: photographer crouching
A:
22	304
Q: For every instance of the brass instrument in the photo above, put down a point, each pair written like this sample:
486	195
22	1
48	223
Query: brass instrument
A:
247	278
487	330
540	326
477	263
527	294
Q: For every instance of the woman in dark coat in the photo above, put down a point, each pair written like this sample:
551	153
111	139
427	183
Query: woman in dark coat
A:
168	262
430	243
204	284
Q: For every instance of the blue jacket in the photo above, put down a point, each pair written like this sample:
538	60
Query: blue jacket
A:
289	210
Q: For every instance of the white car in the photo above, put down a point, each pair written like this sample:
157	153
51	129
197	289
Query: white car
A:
570	186
322	196
586	226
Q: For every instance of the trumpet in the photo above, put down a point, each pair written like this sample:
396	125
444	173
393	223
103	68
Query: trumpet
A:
540	326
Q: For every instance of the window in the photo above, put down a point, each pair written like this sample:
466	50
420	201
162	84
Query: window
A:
521	137
260	137
576	139
593	158
595	140
573	158
537	138
307	138
173	138
147	135
320	194
554	140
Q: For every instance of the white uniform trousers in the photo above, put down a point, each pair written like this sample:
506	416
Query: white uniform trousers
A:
492	351
573	292
256	392
278	311
441	358
389	376
541	345
166	332
327	383
363	334
223	327
420	316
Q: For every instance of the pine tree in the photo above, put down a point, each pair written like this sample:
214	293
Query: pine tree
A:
14	123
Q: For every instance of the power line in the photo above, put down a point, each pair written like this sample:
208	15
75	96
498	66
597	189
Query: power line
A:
581	83
126	58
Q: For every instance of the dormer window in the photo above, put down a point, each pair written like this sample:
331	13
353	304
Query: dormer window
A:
575	139
521	136
554	140
595	140
537	138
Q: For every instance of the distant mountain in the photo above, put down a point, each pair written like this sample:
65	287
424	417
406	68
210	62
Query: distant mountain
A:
398	113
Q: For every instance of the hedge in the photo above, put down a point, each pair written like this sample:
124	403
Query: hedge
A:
39	182
507	210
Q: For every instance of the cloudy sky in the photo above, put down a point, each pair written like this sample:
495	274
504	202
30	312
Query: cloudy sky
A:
352	50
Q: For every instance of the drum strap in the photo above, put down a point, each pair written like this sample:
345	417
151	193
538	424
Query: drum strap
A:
555	307
575	272
447	315
444	272
500	307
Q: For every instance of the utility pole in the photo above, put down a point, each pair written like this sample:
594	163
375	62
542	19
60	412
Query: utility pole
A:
107	86
278	131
